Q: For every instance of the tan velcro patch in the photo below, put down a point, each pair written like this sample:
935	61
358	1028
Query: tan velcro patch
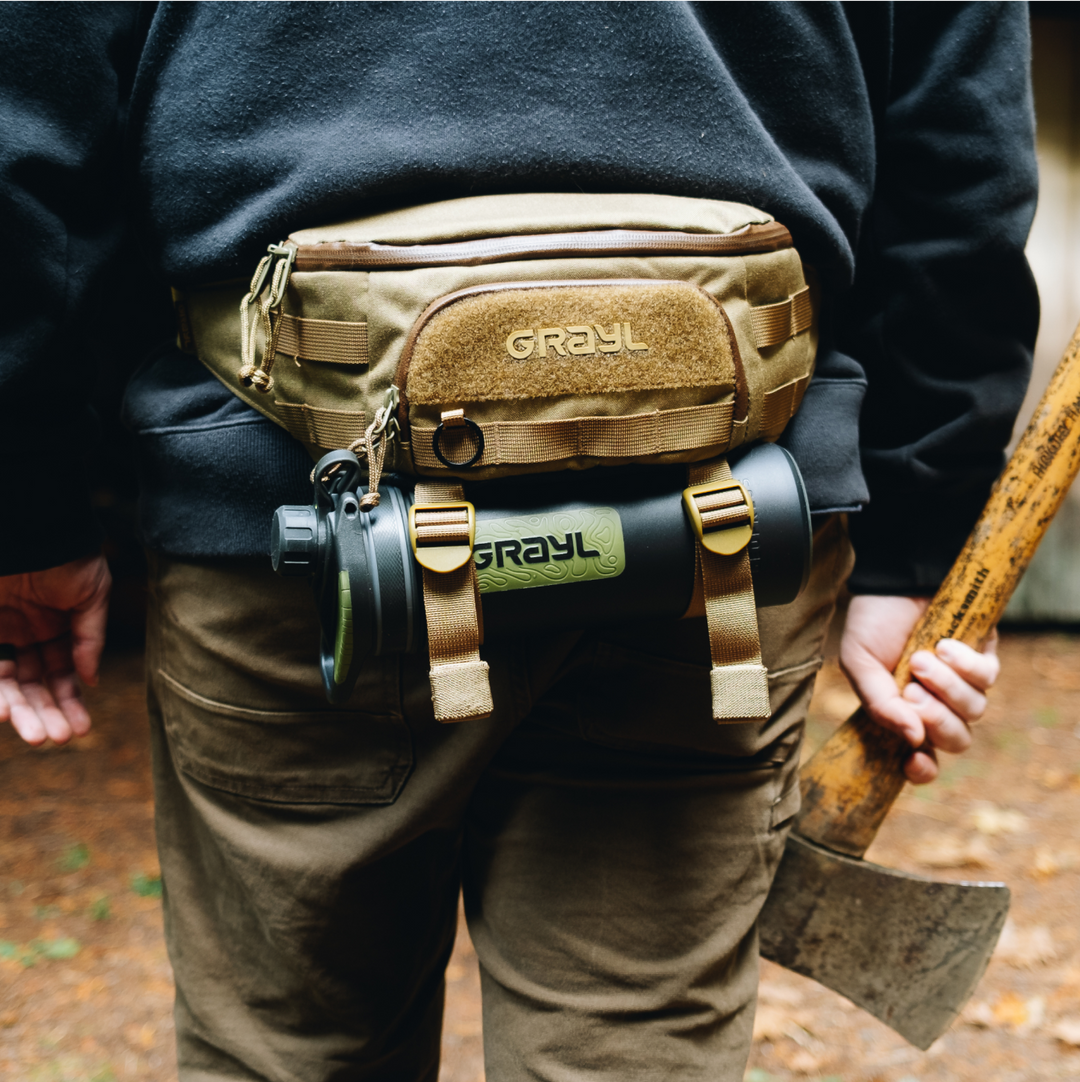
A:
559	339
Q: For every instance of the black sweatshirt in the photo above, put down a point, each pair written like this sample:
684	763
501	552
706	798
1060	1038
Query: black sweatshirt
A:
147	145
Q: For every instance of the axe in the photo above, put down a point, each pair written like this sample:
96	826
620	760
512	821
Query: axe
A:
908	949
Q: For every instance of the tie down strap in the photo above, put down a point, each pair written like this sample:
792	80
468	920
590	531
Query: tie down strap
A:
442	529
723	518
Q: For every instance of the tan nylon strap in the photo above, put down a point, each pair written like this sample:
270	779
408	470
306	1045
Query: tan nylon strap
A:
740	689
780	404
658	432
327	428
776	323
460	687
326	340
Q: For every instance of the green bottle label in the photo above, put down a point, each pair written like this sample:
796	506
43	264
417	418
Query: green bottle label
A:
549	550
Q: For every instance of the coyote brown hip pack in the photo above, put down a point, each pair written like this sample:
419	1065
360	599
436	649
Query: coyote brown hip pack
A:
483	337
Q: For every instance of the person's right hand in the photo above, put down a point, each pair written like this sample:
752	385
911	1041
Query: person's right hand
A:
55	620
948	688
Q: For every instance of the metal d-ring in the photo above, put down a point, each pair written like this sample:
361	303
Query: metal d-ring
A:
459	465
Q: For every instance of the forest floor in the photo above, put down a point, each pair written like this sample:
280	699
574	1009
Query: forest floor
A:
86	988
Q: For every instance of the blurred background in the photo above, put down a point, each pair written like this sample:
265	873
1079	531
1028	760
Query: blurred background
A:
85	984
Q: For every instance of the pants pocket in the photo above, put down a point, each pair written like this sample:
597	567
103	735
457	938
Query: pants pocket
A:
318	757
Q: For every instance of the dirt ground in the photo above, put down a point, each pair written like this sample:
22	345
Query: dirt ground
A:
85	984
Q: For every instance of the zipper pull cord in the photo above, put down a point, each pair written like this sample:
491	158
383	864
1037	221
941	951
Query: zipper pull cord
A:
250	375
373	445
247	326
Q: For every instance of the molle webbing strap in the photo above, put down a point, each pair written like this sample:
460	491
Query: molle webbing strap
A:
740	689
323	427
460	687
776	323
656	432
324	340
780	404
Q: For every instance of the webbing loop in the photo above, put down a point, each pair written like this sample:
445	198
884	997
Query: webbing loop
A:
724	525
775	323
442	525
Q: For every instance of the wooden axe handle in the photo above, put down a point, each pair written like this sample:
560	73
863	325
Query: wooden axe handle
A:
852	781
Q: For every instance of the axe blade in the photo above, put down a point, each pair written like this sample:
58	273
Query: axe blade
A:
907	949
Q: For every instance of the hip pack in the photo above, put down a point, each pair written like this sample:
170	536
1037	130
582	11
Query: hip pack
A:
483	337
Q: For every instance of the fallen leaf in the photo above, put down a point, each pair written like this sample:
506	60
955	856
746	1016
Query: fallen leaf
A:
989	819
1054	779
799	1033
954	851
774	992
89	988
1036	1014
140	1036
770	1023
773	1022
1025	948
1048	863
977	1014
1067	1031
805	1062
1010	1010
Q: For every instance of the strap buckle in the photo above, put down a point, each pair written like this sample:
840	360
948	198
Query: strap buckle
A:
722	515
442	535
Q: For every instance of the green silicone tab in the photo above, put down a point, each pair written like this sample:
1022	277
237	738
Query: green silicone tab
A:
343	642
548	550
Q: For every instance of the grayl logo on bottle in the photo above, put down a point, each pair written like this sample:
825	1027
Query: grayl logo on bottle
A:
533	550
578	341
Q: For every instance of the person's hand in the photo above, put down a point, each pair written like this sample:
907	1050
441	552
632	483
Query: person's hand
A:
54	623
948	690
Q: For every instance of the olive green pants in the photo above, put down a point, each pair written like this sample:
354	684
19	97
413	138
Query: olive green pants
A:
614	843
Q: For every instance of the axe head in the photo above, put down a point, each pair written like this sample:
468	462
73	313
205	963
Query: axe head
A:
907	949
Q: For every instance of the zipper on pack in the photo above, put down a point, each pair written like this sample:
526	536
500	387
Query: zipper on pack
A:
750	240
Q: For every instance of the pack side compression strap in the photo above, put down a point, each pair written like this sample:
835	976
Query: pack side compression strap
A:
780	405
325	340
740	689
775	323
459	679
323	427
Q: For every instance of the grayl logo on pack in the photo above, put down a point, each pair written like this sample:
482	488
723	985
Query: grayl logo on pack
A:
578	341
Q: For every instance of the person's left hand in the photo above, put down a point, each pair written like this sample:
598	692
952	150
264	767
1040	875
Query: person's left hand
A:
55	621
946	694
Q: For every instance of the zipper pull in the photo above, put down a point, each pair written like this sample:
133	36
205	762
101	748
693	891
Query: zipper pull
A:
279	257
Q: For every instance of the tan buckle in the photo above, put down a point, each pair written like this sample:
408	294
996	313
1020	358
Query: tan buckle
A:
442	534
722	515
